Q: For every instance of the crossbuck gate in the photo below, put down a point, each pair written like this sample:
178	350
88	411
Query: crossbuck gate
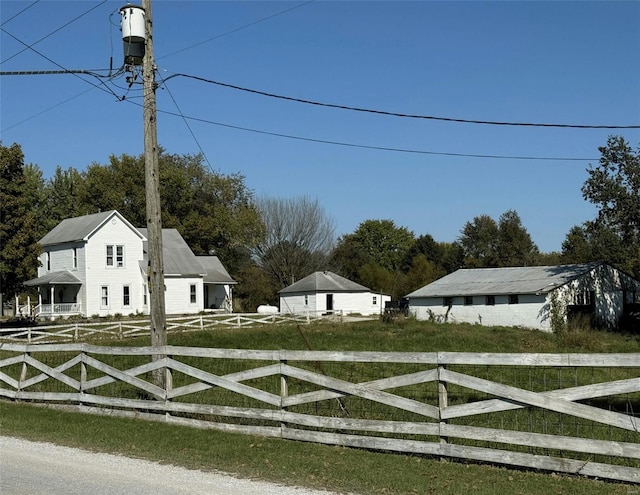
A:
571	413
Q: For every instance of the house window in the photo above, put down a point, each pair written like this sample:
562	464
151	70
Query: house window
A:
468	300
447	301
490	300
115	256
47	256
75	258
104	296
192	293
306	300
513	299
119	256
144	294
375	300
126	295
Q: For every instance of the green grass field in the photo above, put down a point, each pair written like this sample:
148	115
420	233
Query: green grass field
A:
335	468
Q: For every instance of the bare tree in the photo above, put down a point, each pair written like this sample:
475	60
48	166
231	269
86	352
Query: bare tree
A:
299	235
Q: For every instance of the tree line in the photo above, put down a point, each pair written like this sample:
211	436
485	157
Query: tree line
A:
269	243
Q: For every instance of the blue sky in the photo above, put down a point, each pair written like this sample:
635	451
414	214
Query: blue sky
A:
525	62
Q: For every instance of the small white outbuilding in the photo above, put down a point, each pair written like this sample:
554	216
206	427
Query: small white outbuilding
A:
528	296
327	292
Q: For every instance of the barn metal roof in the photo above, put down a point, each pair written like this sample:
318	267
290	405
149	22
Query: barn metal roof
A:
324	282
79	228
502	281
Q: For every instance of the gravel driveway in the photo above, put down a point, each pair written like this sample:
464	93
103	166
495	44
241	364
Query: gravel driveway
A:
36	468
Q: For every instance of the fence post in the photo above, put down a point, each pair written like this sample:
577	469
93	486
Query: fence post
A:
23	373
284	391
201	322
442	401
168	383
76	333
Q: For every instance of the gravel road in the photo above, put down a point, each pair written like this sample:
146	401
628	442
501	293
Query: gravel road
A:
37	468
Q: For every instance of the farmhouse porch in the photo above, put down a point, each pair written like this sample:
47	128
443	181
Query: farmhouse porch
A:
57	295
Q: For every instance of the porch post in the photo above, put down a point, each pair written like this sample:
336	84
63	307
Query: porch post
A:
53	301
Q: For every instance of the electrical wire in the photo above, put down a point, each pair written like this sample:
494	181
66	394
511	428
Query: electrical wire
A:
16	15
235	30
395	114
186	122
52	32
378	148
64	69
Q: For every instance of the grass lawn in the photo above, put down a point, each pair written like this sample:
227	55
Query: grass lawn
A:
335	468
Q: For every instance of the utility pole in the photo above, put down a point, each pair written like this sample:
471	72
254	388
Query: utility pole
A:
155	269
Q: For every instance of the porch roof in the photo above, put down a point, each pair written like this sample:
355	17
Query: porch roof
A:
55	278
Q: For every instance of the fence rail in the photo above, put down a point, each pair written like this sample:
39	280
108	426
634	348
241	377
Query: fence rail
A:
79	331
572	413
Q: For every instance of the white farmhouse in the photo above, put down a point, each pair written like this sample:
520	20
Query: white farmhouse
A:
326	292
527	296
96	265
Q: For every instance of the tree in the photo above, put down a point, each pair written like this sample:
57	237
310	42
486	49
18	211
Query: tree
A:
19	249
63	198
379	241
514	247
479	241
298	237
487	243
614	187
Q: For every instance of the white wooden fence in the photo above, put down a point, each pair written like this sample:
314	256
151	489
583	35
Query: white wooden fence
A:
79	331
429	403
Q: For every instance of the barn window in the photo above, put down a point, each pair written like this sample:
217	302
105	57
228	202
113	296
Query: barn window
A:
490	300
447	301
513	299
468	300
375	300
583	298
306	300
144	294
192	293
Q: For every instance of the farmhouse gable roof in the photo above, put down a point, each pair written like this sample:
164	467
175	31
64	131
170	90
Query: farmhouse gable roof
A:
81	228
177	255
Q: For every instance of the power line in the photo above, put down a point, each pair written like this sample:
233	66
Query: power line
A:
64	69
403	115
258	21
16	15
52	32
188	126
378	148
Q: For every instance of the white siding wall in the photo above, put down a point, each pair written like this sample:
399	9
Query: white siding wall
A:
178	295
529	312
113	277
347	302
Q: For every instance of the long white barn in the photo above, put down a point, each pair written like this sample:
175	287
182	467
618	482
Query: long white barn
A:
527	296
96	265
